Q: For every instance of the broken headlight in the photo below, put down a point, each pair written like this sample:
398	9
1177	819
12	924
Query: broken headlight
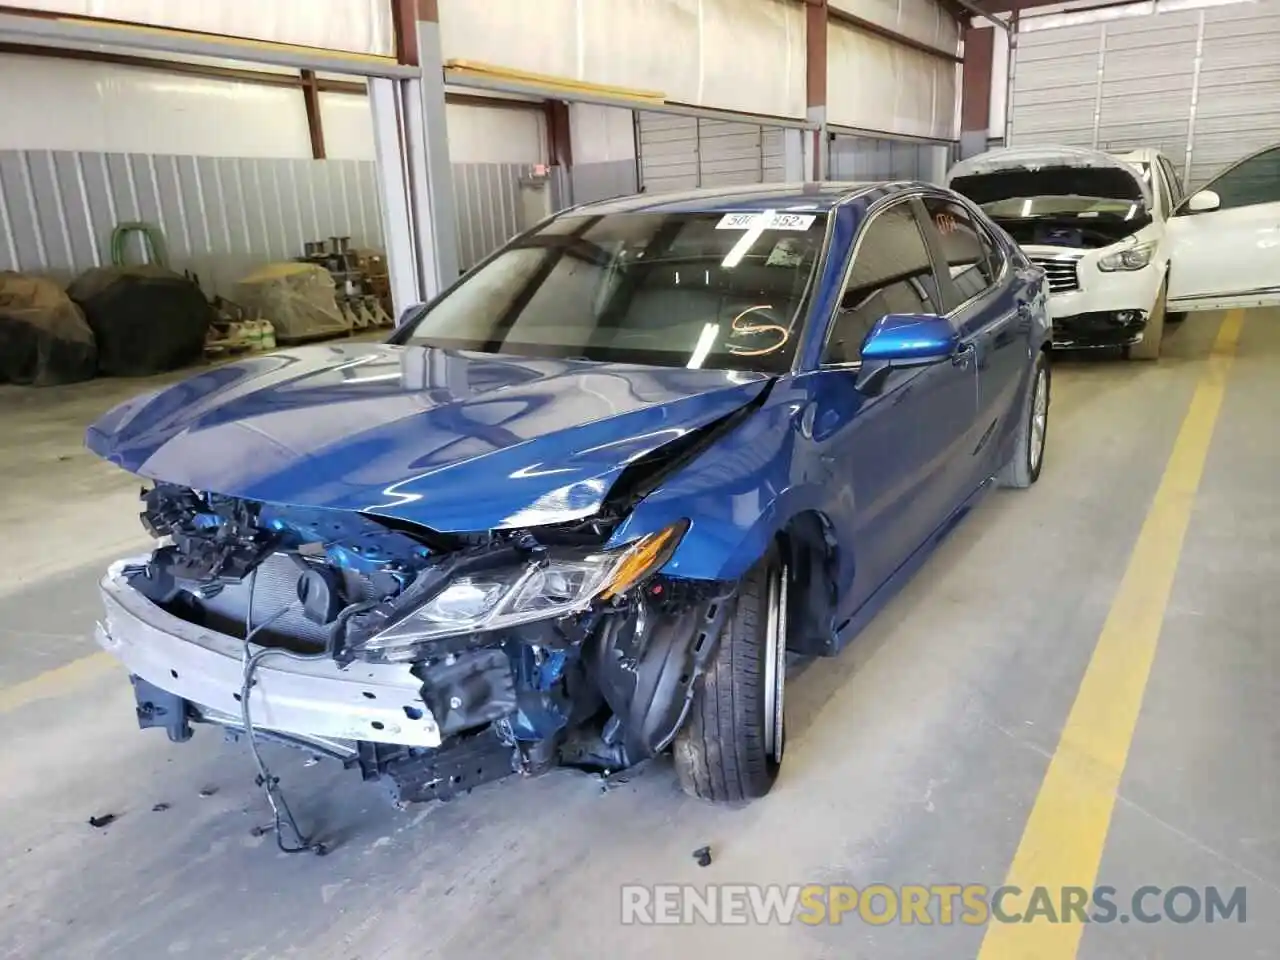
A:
555	586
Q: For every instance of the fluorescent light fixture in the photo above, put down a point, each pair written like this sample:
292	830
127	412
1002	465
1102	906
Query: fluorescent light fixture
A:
1026	207
705	341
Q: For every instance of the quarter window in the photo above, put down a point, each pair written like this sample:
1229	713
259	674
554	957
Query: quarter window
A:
1253	180
970	255
891	273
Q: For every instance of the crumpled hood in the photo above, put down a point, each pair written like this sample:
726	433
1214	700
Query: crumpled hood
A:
1036	159
450	440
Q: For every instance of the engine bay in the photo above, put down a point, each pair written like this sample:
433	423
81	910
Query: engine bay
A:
1078	232
578	675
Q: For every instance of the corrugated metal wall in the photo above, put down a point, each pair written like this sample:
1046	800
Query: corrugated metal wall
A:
220	217
1237	109
683	153
604	180
489	207
876	158
1203	86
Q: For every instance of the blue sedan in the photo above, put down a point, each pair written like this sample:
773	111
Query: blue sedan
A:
576	510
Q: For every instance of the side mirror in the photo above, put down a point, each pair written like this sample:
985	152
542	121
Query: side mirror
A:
905	339
1204	201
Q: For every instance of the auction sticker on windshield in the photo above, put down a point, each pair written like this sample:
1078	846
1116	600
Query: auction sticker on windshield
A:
765	221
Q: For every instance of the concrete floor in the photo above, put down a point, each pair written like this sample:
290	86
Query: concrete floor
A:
913	758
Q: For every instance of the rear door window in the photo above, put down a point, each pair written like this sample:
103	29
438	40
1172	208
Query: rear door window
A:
972	257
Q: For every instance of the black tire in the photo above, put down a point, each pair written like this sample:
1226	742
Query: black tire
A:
722	753
1153	336
1023	469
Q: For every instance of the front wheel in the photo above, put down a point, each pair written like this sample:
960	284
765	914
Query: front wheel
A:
1023	468
731	747
1153	335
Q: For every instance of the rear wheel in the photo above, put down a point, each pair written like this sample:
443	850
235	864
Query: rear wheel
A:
1023	468
1149	348
731	747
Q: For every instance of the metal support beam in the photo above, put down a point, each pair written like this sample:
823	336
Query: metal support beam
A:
83	34
975	89
977	11
559	138
793	168
311	102
414	172
458	78
817	21
432	177
842	130
397	222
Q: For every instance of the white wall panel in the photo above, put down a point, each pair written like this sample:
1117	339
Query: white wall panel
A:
496	134
1202	84
540	38
745	55
75	105
923	20
876	84
601	134
360	26
752	56
347	123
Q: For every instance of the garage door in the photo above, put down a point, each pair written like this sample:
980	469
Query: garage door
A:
1202	85
881	158
683	153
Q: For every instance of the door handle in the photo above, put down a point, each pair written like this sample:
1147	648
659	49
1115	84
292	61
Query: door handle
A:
962	355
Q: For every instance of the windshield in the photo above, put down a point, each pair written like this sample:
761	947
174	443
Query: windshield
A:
713	290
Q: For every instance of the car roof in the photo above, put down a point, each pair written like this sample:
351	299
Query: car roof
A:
815	196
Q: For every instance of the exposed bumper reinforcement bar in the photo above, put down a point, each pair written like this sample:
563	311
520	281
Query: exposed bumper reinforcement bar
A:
380	703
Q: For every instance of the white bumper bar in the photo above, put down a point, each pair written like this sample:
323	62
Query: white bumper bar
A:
309	698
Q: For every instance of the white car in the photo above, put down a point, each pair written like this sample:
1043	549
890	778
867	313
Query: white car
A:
1122	247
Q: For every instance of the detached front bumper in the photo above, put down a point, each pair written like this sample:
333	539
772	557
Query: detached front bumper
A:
312	700
1108	310
1105	328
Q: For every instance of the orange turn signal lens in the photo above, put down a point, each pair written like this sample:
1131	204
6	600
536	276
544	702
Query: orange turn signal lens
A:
642	558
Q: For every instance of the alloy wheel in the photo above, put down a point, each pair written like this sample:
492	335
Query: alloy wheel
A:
775	664
1039	417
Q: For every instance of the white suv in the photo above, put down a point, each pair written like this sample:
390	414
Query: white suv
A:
1096	223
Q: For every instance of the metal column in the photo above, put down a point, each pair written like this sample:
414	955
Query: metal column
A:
415	178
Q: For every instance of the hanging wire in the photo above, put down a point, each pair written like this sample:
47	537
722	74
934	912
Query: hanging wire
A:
270	784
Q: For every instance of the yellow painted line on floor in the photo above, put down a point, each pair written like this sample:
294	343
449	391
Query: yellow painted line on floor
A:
65	679
1063	840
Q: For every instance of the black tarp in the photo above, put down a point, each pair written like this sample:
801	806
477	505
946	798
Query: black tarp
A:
44	339
146	319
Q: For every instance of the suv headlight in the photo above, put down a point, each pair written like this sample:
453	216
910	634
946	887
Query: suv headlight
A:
556	586
1134	258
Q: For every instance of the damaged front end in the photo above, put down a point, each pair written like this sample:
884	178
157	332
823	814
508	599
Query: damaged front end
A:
432	662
